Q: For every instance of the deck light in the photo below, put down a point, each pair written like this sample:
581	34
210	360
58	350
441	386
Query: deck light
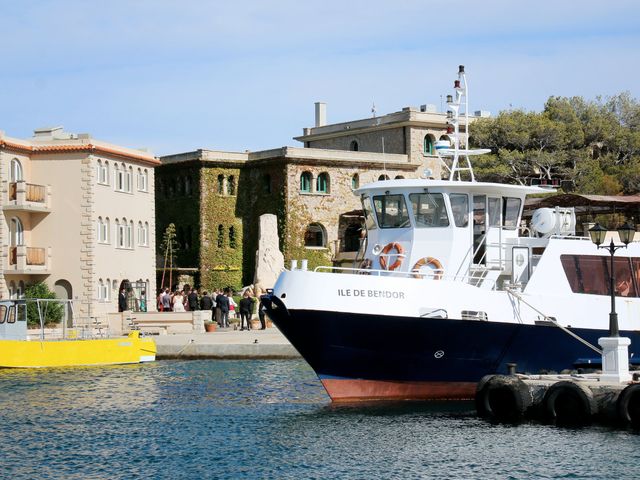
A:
461	69
598	233
449	114
626	233
449	99
456	84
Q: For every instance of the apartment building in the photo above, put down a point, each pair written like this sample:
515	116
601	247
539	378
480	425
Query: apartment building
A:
79	214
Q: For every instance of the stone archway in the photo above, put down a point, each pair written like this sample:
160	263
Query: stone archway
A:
64	291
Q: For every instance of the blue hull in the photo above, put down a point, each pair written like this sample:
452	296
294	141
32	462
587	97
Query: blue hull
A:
402	349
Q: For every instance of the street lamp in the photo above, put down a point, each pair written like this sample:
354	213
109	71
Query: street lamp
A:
597	234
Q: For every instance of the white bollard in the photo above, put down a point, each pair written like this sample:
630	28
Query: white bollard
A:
294	264
303	264
615	359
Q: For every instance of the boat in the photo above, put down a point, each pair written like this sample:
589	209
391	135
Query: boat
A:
69	346
451	286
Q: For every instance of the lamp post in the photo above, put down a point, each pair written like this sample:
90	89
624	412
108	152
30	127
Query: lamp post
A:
597	234
615	349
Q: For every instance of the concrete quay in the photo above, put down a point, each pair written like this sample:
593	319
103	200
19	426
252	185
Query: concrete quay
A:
226	344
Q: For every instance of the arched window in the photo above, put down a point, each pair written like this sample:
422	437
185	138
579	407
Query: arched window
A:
383	177
305	182
106	173
119	177
16	234
143	180
129	180
231	185
220	236
322	183
106	230
101	230
141	234
100	290
12	290
399	177
119	234
353	146
220	184
16	170
145	229
355	181
130	235
107	290
315	236
428	149
232	237
20	291
266	181
101	172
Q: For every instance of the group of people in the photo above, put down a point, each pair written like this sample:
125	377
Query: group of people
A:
220	302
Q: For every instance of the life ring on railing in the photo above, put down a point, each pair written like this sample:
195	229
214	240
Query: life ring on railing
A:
428	262
385	251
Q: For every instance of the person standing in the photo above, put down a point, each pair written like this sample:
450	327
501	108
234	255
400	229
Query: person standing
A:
194	303
222	302
178	302
246	308
206	303
122	300
166	300
143	301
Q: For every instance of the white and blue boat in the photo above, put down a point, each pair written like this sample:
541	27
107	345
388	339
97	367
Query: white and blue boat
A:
451	286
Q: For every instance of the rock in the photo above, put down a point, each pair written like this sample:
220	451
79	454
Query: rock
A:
269	258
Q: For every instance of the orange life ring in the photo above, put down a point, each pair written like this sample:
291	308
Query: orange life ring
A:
391	246
428	262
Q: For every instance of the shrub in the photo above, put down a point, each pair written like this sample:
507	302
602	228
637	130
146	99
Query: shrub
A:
53	311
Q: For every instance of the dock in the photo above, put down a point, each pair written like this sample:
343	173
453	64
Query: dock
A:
566	400
226	344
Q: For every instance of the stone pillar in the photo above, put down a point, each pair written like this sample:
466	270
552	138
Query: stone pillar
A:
199	317
615	359
269	258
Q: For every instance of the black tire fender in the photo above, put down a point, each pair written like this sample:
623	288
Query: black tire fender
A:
505	398
628	406
569	403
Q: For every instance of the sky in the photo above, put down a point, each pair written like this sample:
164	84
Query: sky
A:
176	76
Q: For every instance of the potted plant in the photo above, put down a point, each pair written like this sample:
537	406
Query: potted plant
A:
210	326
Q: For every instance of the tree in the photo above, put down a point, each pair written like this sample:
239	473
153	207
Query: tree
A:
52	311
169	249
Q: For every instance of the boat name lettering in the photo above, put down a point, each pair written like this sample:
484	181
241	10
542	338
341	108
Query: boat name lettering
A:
348	292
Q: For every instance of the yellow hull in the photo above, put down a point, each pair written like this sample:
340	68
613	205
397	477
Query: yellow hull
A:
66	353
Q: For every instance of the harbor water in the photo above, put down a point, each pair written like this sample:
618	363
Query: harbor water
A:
269	419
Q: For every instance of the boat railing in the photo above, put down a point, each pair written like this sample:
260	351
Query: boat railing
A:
434	274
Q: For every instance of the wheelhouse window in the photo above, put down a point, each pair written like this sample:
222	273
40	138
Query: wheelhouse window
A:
510	212
391	211
460	209
429	210
590	274
383	177
314	236
494	212
305	182
369	221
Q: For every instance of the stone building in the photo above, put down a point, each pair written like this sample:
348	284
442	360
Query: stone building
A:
215	198
78	214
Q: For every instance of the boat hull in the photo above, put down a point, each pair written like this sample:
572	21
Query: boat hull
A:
377	357
66	353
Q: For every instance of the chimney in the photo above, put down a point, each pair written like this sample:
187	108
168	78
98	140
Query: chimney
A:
321	114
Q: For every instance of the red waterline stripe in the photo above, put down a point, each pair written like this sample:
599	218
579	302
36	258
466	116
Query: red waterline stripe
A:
362	390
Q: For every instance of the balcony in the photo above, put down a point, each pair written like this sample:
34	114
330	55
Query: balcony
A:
28	196
29	260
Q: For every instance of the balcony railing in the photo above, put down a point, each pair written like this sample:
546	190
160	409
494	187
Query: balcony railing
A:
25	259
28	196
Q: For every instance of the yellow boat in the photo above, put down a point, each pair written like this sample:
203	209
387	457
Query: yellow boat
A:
18	351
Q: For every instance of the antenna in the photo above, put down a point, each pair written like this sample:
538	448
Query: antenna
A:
373	109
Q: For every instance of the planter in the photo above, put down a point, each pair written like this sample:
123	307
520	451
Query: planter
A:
255	325
210	327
